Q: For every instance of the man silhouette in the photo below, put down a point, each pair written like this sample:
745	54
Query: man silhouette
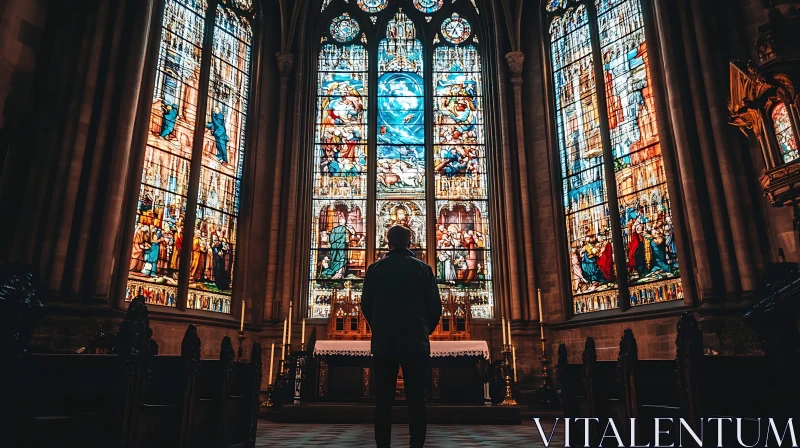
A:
402	305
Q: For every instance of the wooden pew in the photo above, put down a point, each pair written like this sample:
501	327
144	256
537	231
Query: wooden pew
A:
627	388
135	398
727	386
169	397
225	413
89	400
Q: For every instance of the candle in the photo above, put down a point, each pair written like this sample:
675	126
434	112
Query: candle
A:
241	326
283	334
289	334
509	332
503	328
271	357
303	333
514	361
541	315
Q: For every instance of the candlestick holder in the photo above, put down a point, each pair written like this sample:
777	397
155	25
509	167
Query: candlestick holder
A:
508	400
240	352
545	395
269	403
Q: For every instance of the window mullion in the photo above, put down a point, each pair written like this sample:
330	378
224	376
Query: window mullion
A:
197	154
430	180
608	161
372	147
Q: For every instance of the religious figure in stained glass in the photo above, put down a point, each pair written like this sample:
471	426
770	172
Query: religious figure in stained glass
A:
787	140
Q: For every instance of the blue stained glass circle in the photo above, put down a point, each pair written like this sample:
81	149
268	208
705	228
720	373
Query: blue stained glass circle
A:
456	29
372	6
344	28
552	5
428	6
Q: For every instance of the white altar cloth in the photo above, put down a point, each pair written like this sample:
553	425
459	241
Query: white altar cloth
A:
438	348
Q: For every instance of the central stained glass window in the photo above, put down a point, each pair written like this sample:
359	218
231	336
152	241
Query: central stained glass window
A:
417	160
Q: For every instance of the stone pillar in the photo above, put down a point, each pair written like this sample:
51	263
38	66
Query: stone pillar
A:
285	65
515	60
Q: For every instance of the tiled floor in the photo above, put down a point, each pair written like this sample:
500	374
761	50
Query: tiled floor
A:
272	434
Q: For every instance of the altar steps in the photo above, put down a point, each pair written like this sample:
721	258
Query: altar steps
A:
364	413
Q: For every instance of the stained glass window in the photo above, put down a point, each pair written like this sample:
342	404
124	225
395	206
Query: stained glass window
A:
158	241
647	229
455	29
338	238
372	6
400	169
456	205
463	262
428	6
344	29
787	140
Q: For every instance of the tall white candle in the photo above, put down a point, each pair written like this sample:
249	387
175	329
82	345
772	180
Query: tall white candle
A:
283	334
509	332
303	333
503	328
271	358
541	315
289	334
241	325
514	361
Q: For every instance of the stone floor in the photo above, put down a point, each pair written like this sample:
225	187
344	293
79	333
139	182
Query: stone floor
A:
271	434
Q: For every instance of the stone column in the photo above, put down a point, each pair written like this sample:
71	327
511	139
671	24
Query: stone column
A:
515	60
285	65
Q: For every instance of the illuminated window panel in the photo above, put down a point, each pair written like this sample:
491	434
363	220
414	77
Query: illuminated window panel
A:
400	170
161	207
644	203
463	261
214	247
787	140
591	256
338	239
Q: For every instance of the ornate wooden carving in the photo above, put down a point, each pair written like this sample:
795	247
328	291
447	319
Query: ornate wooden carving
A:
136	349
435	382
346	321
190	352
365	389
756	86
322	378
456	321
689	351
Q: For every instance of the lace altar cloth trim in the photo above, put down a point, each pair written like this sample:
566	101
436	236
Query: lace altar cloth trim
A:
439	349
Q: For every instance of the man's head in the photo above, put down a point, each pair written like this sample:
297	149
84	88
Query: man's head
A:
399	237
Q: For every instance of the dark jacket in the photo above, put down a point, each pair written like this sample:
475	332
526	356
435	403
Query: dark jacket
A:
401	303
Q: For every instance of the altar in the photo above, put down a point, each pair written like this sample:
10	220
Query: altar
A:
343	372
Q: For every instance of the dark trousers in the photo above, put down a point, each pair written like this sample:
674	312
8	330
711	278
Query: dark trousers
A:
415	368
